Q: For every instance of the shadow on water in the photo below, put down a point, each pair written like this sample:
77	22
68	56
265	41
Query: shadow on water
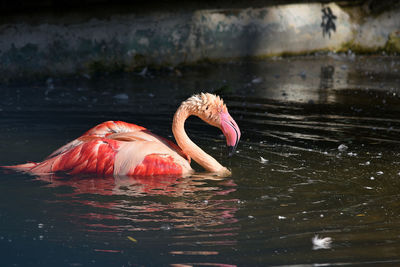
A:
319	155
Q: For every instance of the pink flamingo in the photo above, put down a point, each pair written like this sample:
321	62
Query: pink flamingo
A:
119	148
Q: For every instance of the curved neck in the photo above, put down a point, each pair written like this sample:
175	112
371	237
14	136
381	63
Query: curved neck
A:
190	148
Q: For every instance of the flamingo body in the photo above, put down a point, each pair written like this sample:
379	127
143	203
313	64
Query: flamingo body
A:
115	148
119	148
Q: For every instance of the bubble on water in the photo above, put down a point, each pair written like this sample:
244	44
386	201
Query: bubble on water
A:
372	178
342	147
321	215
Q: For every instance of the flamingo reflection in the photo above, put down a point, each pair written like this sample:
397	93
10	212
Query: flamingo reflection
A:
149	203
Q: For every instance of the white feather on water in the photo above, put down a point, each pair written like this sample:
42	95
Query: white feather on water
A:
321	243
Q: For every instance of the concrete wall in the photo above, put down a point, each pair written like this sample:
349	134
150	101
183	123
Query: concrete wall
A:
71	43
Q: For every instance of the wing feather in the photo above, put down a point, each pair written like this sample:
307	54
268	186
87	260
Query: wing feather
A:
115	148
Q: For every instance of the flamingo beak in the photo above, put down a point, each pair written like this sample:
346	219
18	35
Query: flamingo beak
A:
231	131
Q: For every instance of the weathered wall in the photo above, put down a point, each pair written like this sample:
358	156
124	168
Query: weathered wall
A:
74	44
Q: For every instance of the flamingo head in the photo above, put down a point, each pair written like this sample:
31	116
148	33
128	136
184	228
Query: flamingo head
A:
211	109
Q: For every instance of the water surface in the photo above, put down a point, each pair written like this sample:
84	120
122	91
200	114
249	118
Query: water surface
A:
319	155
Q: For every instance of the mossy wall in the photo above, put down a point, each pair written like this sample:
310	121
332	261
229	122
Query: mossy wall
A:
125	41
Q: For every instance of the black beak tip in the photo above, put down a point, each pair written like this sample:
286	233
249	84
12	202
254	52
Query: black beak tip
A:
231	150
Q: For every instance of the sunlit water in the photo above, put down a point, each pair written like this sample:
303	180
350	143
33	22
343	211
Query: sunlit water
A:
319	155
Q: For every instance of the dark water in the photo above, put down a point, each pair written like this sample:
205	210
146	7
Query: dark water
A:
290	180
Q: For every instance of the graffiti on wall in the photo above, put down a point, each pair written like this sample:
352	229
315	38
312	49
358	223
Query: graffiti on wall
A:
328	21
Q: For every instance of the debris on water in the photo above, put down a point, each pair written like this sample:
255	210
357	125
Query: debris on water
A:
366	163
321	243
40	225
263	160
132	239
50	86
49	83
121	96
281	217
166	227
368	187
178	73
342	147
372	178
379	173
303	75
250	217
352	154
257	80
143	72
273	198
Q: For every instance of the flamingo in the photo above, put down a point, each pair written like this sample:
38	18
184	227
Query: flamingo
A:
116	148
